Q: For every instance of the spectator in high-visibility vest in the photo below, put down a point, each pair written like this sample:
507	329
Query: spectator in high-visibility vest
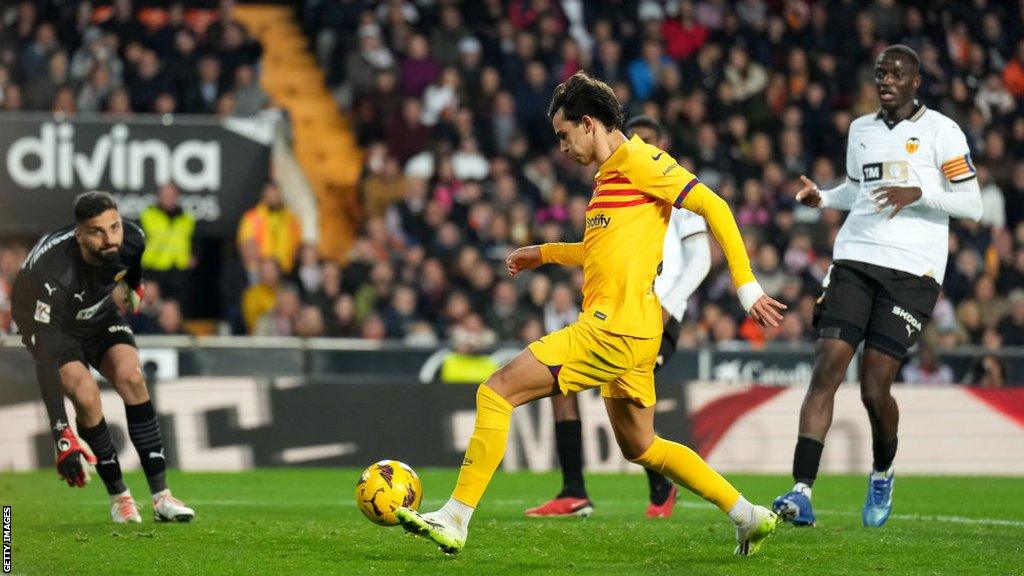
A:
276	230
168	256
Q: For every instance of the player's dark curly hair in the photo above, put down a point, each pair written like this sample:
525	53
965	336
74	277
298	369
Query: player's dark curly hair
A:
92	204
581	96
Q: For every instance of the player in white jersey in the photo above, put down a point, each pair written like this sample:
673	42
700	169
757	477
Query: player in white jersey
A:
686	261
908	171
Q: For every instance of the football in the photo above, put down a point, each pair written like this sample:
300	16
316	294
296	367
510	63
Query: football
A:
386	486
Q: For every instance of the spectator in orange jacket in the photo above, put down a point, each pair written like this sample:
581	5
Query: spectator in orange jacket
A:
1013	74
274	228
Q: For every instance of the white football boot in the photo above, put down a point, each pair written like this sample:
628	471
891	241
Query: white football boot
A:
167	508
124	509
752	533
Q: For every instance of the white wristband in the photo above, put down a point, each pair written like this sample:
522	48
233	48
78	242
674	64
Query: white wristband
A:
749	294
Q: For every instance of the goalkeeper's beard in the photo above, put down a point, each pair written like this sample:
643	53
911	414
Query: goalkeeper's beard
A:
107	254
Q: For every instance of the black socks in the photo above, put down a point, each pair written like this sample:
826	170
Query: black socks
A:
884	452
569	440
107	465
806	459
659	485
144	430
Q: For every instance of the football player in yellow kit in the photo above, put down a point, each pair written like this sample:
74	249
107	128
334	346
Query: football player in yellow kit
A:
614	343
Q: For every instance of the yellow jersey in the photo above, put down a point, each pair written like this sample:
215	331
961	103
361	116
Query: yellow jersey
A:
635	190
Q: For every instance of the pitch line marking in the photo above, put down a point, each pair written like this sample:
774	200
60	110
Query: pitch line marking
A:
693	505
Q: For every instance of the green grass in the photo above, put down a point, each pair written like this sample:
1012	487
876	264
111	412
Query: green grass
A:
305	522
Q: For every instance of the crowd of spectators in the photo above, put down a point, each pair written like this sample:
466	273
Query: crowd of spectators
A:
448	101
117	59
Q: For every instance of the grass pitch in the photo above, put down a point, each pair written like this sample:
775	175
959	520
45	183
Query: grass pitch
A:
305	522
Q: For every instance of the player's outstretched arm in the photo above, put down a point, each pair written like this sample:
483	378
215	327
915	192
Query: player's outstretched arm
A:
529	257
664	179
808	195
761	307
841	197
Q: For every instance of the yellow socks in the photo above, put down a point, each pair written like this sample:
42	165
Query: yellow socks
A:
688	469
486	446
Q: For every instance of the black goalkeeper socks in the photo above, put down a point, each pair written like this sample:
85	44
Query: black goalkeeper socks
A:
144	430
569	442
884	452
102	445
659	485
806	459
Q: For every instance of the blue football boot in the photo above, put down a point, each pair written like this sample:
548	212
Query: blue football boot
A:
878	504
794	507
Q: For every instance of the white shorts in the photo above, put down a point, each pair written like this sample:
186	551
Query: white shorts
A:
685	262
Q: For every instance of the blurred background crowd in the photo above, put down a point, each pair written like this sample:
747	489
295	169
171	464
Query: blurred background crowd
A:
448	101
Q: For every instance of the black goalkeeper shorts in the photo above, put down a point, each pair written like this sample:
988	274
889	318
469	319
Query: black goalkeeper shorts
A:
884	308
88	347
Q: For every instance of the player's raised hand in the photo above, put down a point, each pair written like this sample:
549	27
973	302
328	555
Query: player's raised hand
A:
895	197
525	258
767	311
808	195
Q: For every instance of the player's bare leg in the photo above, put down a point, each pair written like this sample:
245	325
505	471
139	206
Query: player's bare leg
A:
832	357
520	381
523	380
80	387
878	370
633	425
572	500
122	368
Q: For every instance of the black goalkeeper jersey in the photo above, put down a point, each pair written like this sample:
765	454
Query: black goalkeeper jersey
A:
62	295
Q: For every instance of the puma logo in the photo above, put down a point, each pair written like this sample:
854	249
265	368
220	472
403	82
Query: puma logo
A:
80	296
111	461
656	158
159	454
49	289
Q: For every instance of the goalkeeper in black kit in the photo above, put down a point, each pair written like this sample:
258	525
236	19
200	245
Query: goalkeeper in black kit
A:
63	305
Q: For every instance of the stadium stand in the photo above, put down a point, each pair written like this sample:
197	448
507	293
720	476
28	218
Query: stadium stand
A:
421	128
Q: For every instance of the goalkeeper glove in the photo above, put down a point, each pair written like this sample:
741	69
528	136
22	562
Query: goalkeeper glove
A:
71	459
133	298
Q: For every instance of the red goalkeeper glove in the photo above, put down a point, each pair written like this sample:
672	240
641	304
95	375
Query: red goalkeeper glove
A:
133	298
71	459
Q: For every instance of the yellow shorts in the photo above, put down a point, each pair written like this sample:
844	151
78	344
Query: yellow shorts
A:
582	357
